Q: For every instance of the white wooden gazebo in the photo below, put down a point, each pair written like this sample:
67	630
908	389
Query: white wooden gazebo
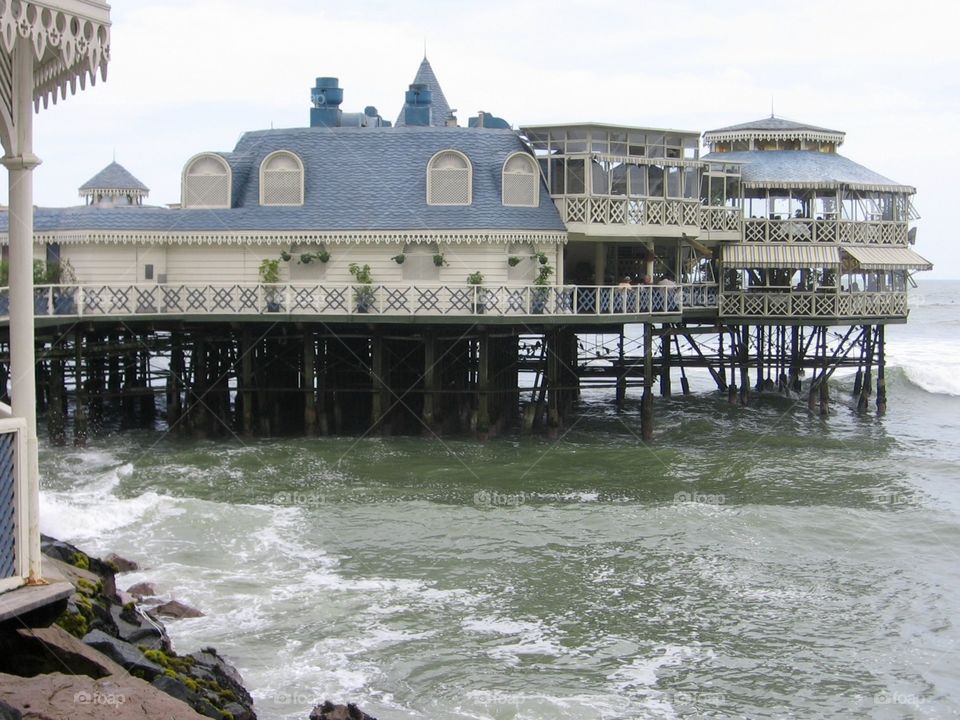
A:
47	49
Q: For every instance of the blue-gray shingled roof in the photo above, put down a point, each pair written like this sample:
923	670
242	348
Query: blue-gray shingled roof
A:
775	124
114	177
805	167
356	179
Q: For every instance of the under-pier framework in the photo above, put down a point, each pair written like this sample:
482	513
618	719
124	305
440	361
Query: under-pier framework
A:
479	375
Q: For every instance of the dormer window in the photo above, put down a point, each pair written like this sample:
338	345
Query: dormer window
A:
449	179
521	181
281	179
207	182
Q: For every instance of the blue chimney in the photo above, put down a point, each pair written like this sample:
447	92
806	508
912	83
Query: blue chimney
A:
418	106
326	98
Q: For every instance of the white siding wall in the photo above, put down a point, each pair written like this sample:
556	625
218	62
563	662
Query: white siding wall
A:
187	264
102	264
212	264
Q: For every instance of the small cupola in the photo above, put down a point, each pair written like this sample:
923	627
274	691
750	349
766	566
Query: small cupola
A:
114	186
773	133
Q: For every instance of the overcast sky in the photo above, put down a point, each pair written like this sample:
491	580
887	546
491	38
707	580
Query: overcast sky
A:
192	75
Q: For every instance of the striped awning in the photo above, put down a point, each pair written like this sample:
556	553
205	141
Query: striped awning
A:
790	256
873	257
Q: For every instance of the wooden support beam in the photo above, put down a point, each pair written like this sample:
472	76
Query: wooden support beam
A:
80	430
309	383
646	404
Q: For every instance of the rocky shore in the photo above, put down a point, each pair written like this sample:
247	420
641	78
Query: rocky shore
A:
108	654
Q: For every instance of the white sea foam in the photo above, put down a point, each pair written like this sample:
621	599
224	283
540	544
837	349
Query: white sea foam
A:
79	517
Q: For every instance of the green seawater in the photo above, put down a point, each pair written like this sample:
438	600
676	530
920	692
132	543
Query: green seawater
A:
752	562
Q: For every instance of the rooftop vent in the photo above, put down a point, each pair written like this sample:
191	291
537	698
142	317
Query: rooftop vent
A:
326	98
486	120
418	106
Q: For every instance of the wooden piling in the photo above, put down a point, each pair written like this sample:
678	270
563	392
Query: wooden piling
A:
646	403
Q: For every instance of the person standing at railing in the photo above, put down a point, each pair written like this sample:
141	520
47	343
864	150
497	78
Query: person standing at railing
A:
645	294
669	296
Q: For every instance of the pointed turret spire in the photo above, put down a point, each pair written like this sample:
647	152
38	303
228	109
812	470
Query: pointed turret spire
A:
426	76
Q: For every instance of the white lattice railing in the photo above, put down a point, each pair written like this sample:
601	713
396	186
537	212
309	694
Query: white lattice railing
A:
825	231
335	300
14	505
722	219
812	304
621	210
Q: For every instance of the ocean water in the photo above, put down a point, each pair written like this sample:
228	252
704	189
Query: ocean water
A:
755	562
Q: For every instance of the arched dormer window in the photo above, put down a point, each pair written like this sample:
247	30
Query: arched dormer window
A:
521	181
449	179
281	179
207	182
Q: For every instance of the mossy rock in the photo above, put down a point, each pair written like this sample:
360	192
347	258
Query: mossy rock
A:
74	623
80	560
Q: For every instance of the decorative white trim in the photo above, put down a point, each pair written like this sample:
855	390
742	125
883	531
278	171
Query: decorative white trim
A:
810	135
430	180
186	171
70	38
263	168
532	175
114	191
830	185
364	237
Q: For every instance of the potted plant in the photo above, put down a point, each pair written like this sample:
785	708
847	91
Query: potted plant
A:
321	256
479	302
41	294
64	297
540	257
438	260
270	278
285	256
514	260
399	259
540	294
363	292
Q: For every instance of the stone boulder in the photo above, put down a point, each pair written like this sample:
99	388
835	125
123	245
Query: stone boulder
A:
123	653
143	589
330	711
123	565
177	610
53	649
77	697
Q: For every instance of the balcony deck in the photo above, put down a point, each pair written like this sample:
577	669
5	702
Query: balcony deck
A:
451	304
770	230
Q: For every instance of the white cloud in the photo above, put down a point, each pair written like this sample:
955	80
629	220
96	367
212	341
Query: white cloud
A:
188	76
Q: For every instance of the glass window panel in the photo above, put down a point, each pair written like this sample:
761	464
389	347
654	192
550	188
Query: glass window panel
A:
600	179
691	188
576	141
618	143
638	180
557	176
575	177
732	190
599	142
674	184
655	180
618	179
716	190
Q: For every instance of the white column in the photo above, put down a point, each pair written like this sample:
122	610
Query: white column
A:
20	163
